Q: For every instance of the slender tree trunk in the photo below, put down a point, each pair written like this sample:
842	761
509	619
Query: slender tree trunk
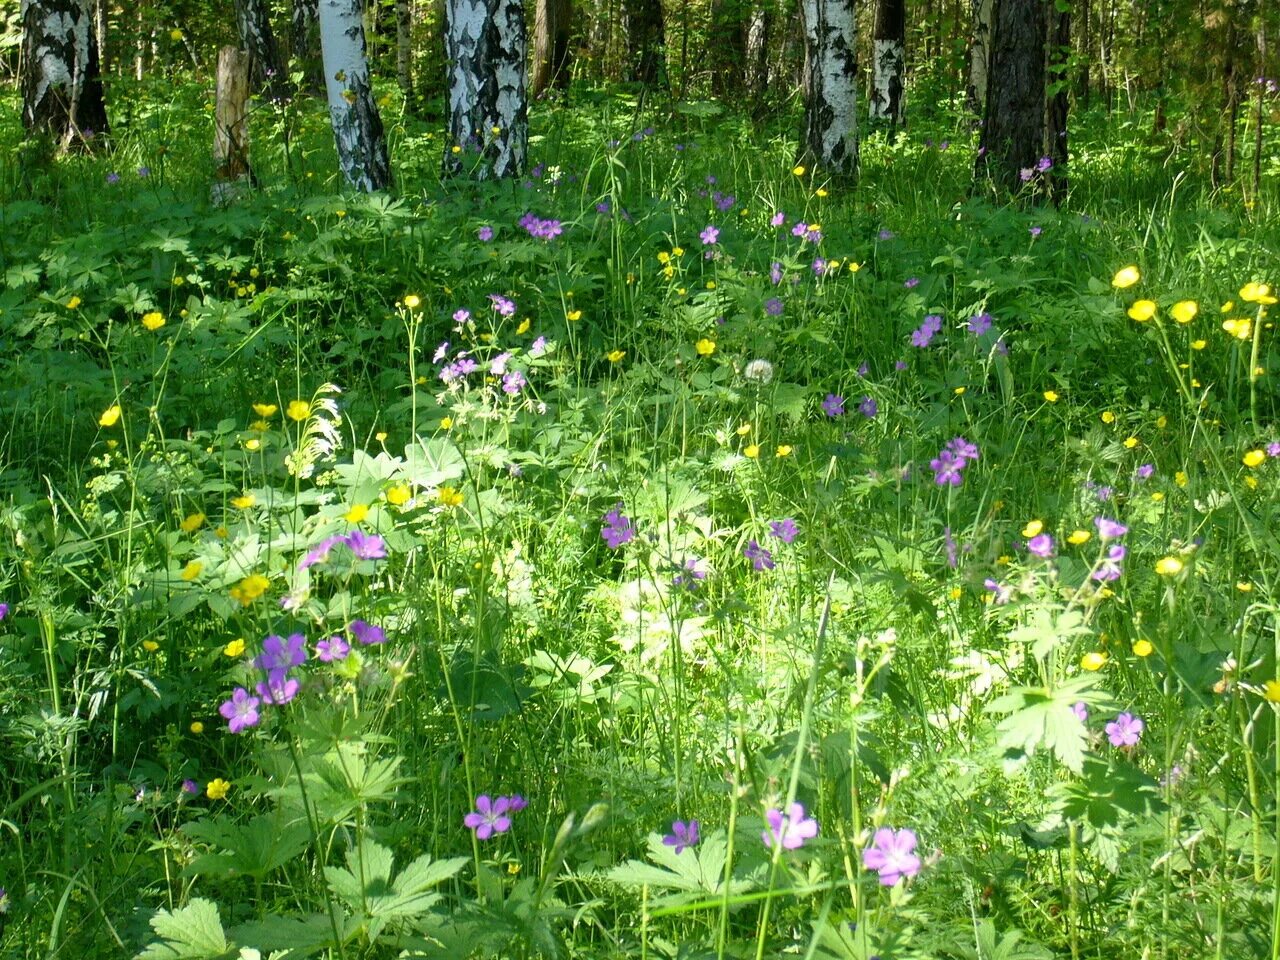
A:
551	52
727	48
889	46
1013	127
61	83
1058	102
357	127
485	48
647	40
1082	89
266	67
831	115
979	54
404	52
231	128
756	44
304	43
100	28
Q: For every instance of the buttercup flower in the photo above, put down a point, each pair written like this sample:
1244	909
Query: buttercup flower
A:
217	789
1125	277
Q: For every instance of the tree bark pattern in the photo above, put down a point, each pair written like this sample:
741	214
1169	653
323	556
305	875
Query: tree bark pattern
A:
61	82
266	67
979	54
831	101
304	43
551	52
1058	103
357	126
1013	127
889	48
404	51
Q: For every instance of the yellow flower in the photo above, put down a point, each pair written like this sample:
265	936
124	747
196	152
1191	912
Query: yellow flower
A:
220	532
450	497
1161	422
573	315
298	410
1032	529
1093	660
381	436
413	301
244	502
1142	648
73	303
1142	310
677	251
1078	537
399	495
784	449
664	257
959	391
260	426
446	423
1157	497
357	513
819	192
1257	293
1199	344
705	347
1108	416
1130	442
196	727
711	284
1184	311
854	267
1168	566
234	648
192	522
265	410
455	149
1126	277
613	356
752	451
175	35
955	593
1051	396
150	646
253	443
109	416
1251	482
1241	329
1254	458
192	570
798	170
217	788
153	320
524	326
1271	691
743	429
250	589
1244	586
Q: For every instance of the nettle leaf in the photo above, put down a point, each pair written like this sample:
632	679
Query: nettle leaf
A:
1040	718
193	932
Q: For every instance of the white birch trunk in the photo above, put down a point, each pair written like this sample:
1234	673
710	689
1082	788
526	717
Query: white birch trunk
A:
61	88
357	127
404	51
886	98
831	102
979	55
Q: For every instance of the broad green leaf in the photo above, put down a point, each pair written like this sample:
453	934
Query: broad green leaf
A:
193	932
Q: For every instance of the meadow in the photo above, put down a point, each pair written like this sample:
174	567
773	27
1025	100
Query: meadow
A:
668	554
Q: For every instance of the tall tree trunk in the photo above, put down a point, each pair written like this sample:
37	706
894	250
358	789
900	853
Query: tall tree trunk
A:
266	67
357	127
979	54
756	44
100	28
1058	102
304	43
889	53
404	52
1082	81
485	48
727	47
831	102
647	41
1013	127
551	52
61	83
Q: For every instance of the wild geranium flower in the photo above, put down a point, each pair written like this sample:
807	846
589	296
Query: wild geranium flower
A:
320	552
1041	546
775	272
1145	471
789	830
1000	593
1109	568
332	650
516	803
947	469
761	559
892	855
501	304
190	786
485	233
682	835
777	219
1081	710
911	282
241	711
773	307
366	633
513	381
979	324
833	405
1109	529
785	530
617	528
868	408
4	610
366	546
709	235
281	654
489	816
690	576
923	335
1125	730
279	688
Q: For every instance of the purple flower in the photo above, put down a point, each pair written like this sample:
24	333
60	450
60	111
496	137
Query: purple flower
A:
885	234
819	266
366	546
775	272
319	553
504	306
947	468
460	317
280	654
789	830
190	786
1041	546
1081	710
979	324
1273	449
833	405
498	365
540	229
241	711
690	577
724	201
1044	164
4	901
617	528
868	408
709	235
900	365
516	803
513	382
777	219
485	233
1002	594
911	282
279	689
773	307
785	530
1109	568
799	229
892	855
1145	471
144	172
1035	231
682	835
929	327
489	817
442	351
761	559
963	449
863	369
1025	174
1109	529
332	650
113	178
367	633
4	610
1125	730
538	347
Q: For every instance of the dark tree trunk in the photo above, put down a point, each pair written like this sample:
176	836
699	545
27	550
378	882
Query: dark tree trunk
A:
404	53
830	114
551	53
1013	127
304	41
1057	101
727	47
61	81
485	48
357	127
647	41
266	67
889	52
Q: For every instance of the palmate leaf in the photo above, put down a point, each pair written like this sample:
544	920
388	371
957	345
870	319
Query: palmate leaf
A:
365	885
1040	718
251	849
291	938
695	872
193	932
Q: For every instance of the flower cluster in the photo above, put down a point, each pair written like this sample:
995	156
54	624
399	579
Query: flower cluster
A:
948	466
923	335
1108	568
364	546
541	229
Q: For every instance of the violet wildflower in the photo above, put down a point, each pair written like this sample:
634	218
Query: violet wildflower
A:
1125	730
775	272
513	382
442	351
1025	174
190	786
319	553
1001	594
709	235
538	347
788	830
144	172
113	178
1035	231
885	234
799	229
773	307
924	334
777	219
947	469
1109	529
489	817
833	405
241	711
485	233
366	546
761	559
1041	546
819	266
332	650
503	305
785	530
911	282
1109	568
900	365
279	689
724	201
367	633
868	408
498	365
516	803
603	207
863	369
962	448
1273	449
690	577
1145	471
461	316
617	528
281	654
1081	710
1044	164
682	835
4	610
892	855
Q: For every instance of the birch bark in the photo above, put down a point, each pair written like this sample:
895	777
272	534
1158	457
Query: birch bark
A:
357	127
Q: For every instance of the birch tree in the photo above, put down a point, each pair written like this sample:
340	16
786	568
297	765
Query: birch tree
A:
888	51
485	49
266	66
831	93
404	52
357	127
979	54
61	86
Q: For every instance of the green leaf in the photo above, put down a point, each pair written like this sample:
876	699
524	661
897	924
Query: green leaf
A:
252	849
1041	718
193	932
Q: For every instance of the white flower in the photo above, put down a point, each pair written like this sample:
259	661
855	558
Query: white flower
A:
759	371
